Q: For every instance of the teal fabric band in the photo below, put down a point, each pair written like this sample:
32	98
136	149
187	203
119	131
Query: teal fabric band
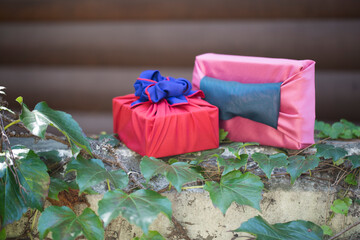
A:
259	102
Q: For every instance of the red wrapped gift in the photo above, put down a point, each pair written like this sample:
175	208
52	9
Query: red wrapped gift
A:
164	117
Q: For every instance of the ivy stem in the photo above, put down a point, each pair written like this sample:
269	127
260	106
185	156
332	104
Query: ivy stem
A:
303	150
346	192
192	187
12	123
29	235
34	220
245	167
310	173
218	166
330	218
108	184
170	186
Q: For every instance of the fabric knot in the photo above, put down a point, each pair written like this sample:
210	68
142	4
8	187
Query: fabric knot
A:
151	86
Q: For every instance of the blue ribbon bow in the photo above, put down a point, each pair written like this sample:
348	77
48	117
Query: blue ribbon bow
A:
151	86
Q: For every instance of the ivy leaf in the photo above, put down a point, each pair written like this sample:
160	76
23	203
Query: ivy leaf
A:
3	165
293	230
52	159
343	129
172	160
75	186
339	162
351	179
348	124
330	152
346	134
234	151
336	129
231	164
140	207
267	164
327	230
244	189
356	132
236	146
42	116
222	135
64	224
355	161
109	138
209	153
3	234
341	206
15	215
34	179
153	235
51	156
91	172
323	128
56	185
36	123
177	173
300	164
204	155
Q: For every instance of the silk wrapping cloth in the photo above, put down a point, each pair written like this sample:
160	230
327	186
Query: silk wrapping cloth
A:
169	126
296	117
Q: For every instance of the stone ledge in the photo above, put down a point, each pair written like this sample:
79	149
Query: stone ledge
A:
308	199
203	221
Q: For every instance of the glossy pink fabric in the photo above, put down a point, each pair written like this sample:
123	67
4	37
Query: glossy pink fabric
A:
297	102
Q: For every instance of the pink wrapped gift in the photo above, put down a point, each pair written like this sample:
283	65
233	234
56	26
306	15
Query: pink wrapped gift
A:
266	100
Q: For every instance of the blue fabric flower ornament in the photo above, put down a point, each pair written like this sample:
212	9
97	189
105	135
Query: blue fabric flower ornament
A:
151	86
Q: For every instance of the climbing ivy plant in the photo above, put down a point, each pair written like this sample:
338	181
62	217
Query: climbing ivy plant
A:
92	171
177	173
140	207
294	230
242	188
268	163
343	129
38	120
24	184
65	224
26	181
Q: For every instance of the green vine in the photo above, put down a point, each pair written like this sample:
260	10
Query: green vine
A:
12	123
339	130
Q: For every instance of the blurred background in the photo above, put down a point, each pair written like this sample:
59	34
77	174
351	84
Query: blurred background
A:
78	55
